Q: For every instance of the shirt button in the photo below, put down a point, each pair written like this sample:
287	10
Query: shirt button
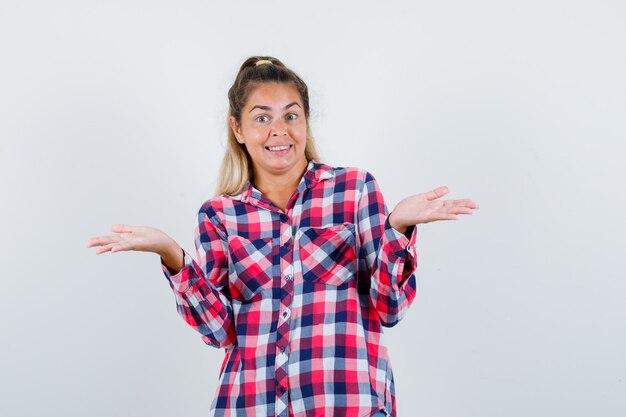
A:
281	389
287	244
286	314
288	277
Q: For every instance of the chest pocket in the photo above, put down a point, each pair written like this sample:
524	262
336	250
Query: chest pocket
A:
328	254
250	266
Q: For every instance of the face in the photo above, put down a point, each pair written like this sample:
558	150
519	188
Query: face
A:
273	128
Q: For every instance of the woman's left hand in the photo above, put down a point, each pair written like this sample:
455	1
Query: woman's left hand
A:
426	207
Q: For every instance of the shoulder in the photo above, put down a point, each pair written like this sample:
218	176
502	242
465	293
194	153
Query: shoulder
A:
342	173
213	205
351	177
214	210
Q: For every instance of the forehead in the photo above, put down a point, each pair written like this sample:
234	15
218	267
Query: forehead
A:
273	95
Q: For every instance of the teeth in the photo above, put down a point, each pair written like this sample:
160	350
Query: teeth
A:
278	148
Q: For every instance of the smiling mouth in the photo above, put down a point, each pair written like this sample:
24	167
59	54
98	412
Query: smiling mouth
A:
278	148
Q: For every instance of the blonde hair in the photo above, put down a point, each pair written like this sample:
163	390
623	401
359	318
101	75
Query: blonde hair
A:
236	168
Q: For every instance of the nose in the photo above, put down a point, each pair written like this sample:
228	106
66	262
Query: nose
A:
278	128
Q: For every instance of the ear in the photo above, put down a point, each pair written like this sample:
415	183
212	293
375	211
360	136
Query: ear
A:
235	128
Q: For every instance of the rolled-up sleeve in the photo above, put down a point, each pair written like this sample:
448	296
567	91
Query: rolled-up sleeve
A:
201	288
390	256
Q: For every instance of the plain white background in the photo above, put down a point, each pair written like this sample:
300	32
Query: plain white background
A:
115	112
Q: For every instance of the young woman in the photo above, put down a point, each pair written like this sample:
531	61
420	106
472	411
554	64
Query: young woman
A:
299	265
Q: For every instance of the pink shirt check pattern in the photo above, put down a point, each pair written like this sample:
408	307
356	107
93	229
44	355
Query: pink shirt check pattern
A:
299	298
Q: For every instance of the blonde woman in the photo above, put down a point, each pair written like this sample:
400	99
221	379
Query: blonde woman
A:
299	265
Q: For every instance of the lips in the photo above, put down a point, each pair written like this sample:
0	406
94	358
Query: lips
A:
278	148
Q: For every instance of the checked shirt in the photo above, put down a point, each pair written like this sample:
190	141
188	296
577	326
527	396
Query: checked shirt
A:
298	299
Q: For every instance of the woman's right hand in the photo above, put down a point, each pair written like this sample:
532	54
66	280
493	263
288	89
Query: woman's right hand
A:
140	238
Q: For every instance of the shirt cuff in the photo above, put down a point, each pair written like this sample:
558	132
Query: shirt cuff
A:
400	244
182	280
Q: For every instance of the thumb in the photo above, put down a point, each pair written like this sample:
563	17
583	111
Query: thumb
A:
437	193
122	228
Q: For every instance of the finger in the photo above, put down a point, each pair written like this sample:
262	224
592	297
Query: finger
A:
437	193
94	241
461	203
105	248
123	228
467	202
114	247
102	240
460	210
122	246
447	216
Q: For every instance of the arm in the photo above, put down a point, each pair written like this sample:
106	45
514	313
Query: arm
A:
393	283
201	289
389	254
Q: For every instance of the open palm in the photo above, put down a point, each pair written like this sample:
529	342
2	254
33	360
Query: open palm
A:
426	208
137	238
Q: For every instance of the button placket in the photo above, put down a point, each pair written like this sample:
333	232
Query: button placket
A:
288	274
284	313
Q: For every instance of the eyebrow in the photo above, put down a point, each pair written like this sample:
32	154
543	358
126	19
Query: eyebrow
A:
258	106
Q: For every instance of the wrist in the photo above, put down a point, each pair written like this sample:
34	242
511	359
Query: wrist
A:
173	257
392	223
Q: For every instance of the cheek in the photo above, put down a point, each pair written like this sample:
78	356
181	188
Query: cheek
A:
300	131
254	135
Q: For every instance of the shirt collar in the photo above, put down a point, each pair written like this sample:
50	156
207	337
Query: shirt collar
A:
315	173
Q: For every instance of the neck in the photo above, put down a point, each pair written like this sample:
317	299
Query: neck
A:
278	188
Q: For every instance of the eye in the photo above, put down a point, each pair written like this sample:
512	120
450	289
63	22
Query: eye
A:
262	119
292	116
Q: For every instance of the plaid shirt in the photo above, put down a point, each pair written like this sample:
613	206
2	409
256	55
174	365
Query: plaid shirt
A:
299	298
